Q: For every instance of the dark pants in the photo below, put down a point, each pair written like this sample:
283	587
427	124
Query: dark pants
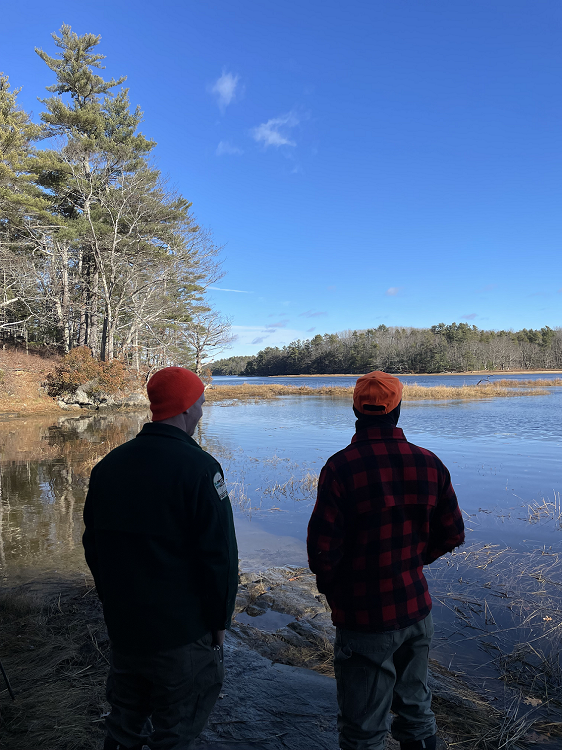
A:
377	672
164	699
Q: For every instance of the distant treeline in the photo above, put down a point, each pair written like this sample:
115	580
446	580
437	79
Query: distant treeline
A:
441	348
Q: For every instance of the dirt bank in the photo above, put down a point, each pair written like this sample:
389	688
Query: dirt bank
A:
22	392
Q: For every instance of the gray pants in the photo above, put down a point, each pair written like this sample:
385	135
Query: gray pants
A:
163	699
377	672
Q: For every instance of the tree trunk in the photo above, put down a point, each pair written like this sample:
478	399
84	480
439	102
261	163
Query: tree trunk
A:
103	347
65	302
93	314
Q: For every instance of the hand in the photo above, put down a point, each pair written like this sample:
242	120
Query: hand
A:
218	637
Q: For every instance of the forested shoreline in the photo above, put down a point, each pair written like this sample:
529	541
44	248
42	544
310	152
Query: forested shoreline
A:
441	348
96	249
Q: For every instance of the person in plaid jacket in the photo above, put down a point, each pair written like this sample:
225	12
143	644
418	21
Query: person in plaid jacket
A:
385	508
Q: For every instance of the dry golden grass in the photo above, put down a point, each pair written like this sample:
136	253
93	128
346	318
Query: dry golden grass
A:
251	390
416	392
21	376
56	655
411	392
542	383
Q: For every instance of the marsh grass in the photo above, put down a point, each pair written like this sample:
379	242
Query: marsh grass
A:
294	488
506	629
509	605
542	383
56	657
412	392
540	510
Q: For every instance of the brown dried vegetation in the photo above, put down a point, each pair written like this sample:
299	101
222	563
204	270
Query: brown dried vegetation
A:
413	392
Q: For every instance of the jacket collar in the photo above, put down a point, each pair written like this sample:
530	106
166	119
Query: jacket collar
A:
378	433
167	430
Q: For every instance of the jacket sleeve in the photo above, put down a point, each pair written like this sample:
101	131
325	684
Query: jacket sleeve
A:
446	529
89	536
326	531
217	552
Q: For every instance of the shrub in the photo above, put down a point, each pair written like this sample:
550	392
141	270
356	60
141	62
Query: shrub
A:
79	367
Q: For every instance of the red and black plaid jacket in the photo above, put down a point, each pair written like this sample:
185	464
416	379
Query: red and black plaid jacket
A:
385	508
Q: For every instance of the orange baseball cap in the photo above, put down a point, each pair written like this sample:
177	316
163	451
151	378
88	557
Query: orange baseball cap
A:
377	393
172	390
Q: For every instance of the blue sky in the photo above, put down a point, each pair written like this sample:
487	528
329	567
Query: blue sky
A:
393	162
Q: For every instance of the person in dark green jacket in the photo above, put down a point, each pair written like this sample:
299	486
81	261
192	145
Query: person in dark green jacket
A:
161	546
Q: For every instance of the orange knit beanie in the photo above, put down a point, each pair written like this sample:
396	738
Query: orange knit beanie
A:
173	390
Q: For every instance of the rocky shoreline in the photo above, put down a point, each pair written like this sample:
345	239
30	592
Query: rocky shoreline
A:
300	653
279	692
87	396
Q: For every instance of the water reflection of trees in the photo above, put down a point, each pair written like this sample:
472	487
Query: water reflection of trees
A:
44	471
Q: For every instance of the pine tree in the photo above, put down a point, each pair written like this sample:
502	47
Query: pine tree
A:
137	261
22	207
101	144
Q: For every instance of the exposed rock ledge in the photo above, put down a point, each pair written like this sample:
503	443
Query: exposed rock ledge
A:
88	396
280	693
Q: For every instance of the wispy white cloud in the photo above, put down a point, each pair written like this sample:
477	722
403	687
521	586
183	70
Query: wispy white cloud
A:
309	330
274	131
280	324
470	316
225	89
257	335
312	314
220	289
225	147
393	291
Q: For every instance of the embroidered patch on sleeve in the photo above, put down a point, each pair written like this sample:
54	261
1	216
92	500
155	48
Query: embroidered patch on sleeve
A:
220	486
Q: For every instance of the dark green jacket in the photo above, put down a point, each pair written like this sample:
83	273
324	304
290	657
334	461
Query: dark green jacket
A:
160	541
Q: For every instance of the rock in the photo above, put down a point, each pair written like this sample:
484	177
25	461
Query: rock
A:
271	706
255	611
310	631
136	399
81	398
87	396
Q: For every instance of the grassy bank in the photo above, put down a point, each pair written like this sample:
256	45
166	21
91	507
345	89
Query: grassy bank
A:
21	376
412	392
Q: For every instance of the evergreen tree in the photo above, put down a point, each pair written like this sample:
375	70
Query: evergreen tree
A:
137	260
22	208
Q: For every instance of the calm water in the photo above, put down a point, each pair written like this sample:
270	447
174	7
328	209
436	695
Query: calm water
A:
503	454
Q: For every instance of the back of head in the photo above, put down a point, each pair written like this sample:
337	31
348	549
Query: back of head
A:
172	391
376	399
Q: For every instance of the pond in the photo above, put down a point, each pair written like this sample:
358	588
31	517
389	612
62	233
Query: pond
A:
503	455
